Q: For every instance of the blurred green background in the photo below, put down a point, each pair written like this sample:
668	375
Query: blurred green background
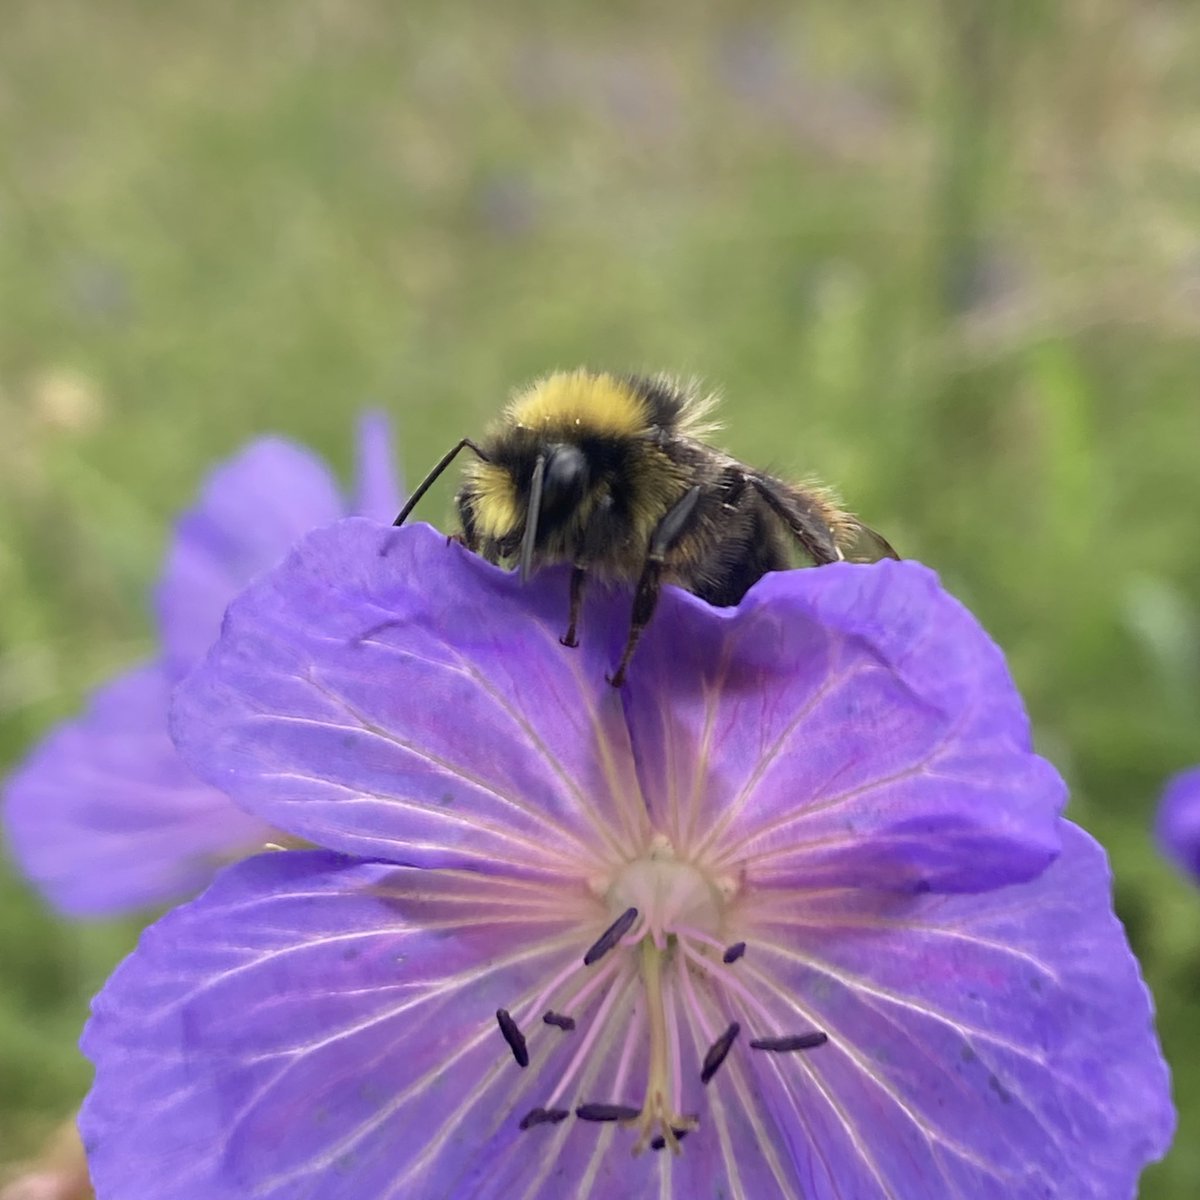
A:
944	255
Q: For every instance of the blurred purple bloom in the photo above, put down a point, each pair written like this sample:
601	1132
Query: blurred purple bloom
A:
104	816
798	894
1179	822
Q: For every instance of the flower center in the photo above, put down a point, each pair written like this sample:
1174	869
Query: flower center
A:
668	939
674	899
671	896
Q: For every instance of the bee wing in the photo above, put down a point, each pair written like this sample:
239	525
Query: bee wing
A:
865	544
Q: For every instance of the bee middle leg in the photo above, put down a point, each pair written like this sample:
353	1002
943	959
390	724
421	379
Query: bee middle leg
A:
595	534
645	598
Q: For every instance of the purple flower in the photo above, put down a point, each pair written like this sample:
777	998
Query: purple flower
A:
795	908
104	816
1179	822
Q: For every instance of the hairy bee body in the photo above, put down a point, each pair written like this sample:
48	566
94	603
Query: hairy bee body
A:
611	475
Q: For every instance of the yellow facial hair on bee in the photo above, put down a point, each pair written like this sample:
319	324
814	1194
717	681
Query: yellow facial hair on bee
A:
498	511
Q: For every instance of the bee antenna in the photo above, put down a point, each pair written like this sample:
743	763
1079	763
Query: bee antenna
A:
529	538
428	481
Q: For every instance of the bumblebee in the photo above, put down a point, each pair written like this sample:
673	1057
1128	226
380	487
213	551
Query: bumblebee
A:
612	475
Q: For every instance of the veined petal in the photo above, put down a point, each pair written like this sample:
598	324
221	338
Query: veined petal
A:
318	1028
387	694
986	1047
1178	825
105	816
845	725
251	511
377	490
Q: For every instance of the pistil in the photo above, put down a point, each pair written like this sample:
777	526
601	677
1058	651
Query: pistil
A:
658	1116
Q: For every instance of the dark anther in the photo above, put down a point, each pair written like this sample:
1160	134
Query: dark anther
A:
794	1041
607	1112
610	937
513	1036
734	953
559	1021
717	1052
660	1142
544	1116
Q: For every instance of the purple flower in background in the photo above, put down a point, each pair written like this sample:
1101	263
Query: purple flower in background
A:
1179	822
104	816
793	914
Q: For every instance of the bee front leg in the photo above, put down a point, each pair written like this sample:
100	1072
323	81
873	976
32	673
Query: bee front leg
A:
645	599
578	579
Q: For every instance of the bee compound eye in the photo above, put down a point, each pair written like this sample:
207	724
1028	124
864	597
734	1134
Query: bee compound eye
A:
566	470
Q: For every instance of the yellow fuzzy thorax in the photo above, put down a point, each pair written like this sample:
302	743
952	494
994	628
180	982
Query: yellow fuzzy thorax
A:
574	403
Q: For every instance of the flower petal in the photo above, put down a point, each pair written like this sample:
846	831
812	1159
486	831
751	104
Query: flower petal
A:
104	815
387	694
377	492
251	511
980	1046
319	1027
845	724
1178	825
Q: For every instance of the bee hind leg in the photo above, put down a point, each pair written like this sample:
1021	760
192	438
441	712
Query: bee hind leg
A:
807	512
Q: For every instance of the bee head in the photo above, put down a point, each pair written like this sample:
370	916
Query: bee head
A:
565	483
559	482
565	445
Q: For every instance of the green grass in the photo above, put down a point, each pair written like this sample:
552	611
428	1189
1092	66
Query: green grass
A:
943	255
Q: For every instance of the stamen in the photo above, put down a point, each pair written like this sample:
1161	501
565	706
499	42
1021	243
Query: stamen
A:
718	1051
607	1112
610	937
671	1003
692	934
539	1003
615	992
513	1036
559	1021
635	1037
733	953
660	1142
794	1041
544	1116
